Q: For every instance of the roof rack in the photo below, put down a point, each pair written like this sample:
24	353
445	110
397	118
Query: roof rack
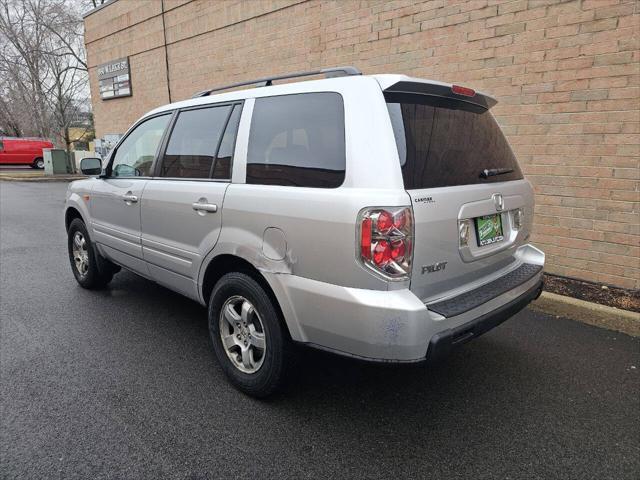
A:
268	81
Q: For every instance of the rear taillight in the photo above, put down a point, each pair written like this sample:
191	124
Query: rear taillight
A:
385	241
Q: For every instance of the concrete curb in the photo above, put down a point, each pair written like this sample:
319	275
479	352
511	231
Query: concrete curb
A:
591	313
56	178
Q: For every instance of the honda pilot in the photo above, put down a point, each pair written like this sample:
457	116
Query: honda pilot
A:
381	217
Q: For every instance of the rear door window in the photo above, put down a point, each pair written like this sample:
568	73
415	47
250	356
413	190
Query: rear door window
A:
297	140
443	147
222	167
194	140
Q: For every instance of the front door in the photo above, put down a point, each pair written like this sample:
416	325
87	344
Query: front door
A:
115	200
182	205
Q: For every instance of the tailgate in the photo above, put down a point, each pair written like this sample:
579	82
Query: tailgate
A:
442	264
472	207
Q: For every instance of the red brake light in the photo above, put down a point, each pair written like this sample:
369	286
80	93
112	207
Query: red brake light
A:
385	221
400	220
467	92
385	240
398	249
382	253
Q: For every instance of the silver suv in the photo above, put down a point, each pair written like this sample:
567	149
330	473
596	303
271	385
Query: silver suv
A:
381	217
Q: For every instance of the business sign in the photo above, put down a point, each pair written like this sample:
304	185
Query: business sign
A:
114	79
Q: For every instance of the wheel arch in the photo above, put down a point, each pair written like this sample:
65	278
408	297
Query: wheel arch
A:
227	263
70	214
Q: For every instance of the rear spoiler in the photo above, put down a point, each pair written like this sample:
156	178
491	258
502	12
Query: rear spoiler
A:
441	94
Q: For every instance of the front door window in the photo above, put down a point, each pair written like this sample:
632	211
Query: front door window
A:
135	155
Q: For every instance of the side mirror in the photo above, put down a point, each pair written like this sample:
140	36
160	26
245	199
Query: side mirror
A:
91	166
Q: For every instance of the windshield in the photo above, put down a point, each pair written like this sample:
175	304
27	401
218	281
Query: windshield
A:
441	146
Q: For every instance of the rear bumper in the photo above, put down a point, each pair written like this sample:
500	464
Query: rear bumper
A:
389	326
443	342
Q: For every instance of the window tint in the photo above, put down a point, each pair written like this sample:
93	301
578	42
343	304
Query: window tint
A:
194	139
297	140
440	147
222	168
135	154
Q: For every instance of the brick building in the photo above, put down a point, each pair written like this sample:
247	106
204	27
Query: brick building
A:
566	74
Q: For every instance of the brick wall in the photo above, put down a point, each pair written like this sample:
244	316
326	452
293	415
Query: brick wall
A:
566	73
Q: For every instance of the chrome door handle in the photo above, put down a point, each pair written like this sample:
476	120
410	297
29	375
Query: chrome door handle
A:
205	207
129	198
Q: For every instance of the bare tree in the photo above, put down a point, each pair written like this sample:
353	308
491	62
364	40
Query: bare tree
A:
23	62
43	69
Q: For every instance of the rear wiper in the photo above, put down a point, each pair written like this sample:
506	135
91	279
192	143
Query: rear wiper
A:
492	172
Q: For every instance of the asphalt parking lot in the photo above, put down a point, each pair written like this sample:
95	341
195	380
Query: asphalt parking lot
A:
122	383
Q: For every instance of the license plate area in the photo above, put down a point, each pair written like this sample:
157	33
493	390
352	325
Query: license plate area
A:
489	229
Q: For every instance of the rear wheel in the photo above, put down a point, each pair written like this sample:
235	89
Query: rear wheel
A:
38	163
91	270
248	335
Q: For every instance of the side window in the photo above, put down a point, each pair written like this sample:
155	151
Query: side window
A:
297	140
194	139
222	168
1	145
135	154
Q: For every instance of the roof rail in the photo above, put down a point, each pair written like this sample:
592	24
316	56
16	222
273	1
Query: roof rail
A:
268	81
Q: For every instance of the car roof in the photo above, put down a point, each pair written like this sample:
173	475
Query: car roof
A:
343	83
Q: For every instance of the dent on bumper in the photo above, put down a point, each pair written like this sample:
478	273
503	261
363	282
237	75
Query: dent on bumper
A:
372	324
387	326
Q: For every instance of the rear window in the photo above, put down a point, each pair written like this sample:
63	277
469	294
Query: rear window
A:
297	140
442	147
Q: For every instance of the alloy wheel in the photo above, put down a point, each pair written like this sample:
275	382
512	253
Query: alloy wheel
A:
242	334
80	253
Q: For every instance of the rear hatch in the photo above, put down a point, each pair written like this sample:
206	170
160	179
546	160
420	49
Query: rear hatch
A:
472	207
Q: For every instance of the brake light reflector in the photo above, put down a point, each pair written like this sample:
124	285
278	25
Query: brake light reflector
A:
385	241
467	92
365	239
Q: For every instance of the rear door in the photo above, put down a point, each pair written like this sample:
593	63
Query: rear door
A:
470	200
182	204
115	200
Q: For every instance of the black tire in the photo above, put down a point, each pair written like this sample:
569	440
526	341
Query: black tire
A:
278	356
99	271
38	163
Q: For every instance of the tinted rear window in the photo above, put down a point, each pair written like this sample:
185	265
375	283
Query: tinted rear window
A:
194	139
297	140
442	147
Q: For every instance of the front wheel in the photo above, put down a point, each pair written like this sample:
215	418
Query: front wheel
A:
85	262
38	163
248	335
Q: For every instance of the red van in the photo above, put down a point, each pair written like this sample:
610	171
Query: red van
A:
23	151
